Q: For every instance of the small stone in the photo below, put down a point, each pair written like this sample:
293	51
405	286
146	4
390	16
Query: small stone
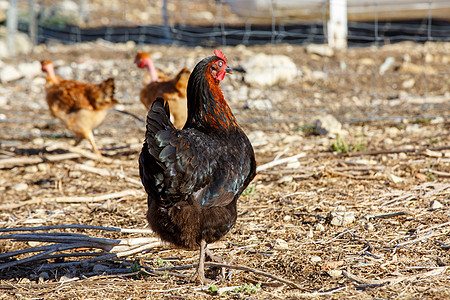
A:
369	227
38	141
286	179
25	281
99	268
31	169
335	273
434	204
315	259
310	233
342	218
43	167
421	176
395	179
65	278
43	277
9	73
20	187
386	64
328	124
407	84
320	49
259	104
281	244
320	227
287	218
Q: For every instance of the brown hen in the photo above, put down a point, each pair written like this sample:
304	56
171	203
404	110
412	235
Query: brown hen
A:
173	90
81	106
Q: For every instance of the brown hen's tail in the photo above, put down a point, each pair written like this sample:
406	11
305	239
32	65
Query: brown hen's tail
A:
182	78
103	94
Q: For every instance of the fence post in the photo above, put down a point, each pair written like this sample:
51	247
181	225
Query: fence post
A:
11	24
166	29
32	29
337	25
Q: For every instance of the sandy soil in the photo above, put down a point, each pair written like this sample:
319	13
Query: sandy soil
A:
393	186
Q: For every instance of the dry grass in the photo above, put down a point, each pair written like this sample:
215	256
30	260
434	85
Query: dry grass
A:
395	245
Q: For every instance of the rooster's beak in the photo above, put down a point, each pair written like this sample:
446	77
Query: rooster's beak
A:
229	70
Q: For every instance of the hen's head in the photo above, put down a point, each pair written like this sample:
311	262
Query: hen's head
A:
218	66
142	59
46	65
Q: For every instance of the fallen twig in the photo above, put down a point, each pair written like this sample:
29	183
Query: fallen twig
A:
439	173
279	162
381	282
69	199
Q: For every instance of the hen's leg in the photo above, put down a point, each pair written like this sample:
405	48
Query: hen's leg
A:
90	138
200	272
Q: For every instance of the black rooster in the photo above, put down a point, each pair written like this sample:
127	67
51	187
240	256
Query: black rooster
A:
194	176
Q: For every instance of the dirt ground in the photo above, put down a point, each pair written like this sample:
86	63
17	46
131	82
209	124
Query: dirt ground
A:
391	188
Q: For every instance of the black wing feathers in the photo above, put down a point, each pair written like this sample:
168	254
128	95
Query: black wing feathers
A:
178	165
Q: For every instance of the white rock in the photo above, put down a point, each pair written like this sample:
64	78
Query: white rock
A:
310	233
315	259
65	72
65	278
31	169
386	64
257	138
434	204
335	273
20	187
44	275
3	101
320	49
407	84
369	227
259	104
43	167
342	218
268	70
281	244
328	124
286	179
320	227
394	178
30	70
9	73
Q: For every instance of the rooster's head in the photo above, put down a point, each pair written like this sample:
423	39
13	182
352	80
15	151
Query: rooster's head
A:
219	66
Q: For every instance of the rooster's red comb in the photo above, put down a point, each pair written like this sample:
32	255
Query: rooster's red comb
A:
219	53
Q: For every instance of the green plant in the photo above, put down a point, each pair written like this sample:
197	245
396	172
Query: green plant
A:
212	289
307	129
248	288
431	176
135	267
341	146
249	190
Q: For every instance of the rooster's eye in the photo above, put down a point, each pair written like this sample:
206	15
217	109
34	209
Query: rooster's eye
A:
220	64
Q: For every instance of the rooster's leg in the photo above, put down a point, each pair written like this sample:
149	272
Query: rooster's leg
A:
200	273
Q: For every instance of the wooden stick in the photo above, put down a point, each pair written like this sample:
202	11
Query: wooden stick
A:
439	173
379	282
279	162
20	161
219	265
77	226
85	199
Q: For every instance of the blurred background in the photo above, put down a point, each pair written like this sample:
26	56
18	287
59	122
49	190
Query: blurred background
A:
358	60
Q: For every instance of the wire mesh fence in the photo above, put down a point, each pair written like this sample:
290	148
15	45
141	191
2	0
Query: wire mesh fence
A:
374	69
